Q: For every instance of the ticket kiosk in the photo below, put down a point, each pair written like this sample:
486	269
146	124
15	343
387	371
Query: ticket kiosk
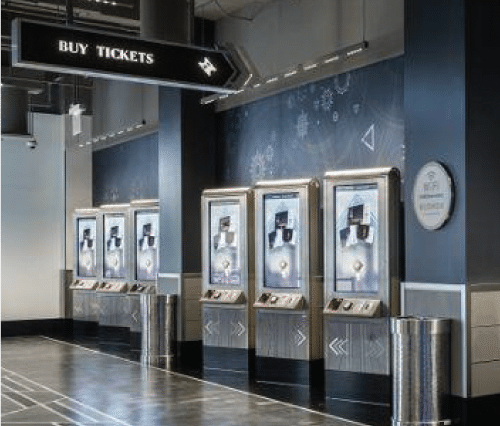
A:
144	215
227	280
116	274
288	286
361	261
87	258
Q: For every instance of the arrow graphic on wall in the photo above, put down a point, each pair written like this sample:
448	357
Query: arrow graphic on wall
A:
369	138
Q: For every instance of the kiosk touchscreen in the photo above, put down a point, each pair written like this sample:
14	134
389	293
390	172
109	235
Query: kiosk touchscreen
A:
85	264
227	282
146	220
87	258
115	242
361	231
288	287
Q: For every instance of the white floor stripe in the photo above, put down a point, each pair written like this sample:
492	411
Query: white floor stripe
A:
19	384
68	397
189	401
76	411
330	416
14	401
45	406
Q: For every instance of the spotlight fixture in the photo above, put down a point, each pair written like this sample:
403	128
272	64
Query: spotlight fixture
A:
108	2
117	136
310	67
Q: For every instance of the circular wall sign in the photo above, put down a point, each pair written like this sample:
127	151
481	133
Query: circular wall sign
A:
433	195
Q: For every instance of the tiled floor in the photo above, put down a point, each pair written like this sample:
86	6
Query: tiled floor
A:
50	382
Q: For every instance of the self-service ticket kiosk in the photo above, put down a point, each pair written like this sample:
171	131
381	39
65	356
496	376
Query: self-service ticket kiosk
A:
87	257
228	280
288	286
361	261
113	303
144	215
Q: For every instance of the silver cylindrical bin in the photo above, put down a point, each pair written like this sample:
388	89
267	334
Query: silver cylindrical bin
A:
421	371
158	329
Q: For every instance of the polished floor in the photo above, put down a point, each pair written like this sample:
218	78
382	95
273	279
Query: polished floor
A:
47	381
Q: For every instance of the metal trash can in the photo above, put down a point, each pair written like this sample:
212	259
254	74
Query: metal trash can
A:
421	371
158	338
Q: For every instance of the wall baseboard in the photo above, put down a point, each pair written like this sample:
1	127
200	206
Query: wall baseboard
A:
47	327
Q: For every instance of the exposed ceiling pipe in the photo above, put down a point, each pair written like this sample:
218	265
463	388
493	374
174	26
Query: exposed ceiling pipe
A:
69	11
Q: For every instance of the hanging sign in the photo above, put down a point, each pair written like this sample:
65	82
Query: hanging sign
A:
433	195
73	50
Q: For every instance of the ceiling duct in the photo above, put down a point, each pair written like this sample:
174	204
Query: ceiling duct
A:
171	20
14	117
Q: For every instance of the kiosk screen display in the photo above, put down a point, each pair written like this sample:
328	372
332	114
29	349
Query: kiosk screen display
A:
87	256
282	240
225	263
357	238
114	246
146	244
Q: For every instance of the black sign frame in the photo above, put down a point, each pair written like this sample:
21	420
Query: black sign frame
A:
70	49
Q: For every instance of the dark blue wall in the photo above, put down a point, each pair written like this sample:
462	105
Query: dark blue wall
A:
435	105
350	120
187	167
126	172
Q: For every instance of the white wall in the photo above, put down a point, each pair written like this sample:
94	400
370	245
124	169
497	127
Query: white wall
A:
33	219
78	177
119	104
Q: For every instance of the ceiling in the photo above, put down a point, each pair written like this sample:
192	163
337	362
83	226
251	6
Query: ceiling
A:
238	9
129	9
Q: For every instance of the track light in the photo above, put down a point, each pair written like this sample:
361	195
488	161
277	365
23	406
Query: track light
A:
324	61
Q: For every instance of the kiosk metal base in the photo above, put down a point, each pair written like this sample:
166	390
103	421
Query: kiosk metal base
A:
288	371
235	360
436	423
358	396
366	413
111	336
